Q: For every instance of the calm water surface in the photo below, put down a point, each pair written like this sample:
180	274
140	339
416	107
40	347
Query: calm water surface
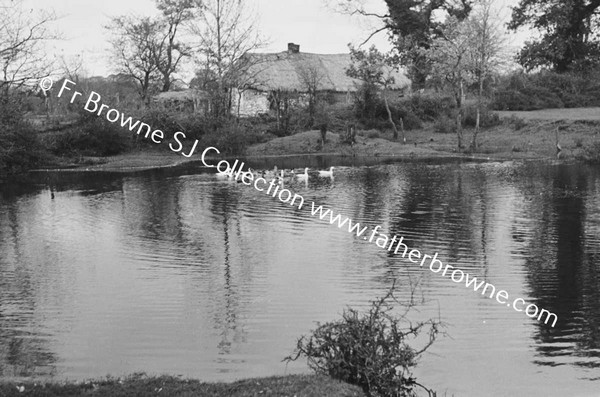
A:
175	272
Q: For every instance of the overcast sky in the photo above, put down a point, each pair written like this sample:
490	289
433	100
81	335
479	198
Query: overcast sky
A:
309	23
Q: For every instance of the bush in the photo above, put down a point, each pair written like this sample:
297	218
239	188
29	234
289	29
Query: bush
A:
429	107
591	153
366	102
444	125
235	138
516	122
373	134
487	118
369	350
20	148
92	136
370	111
542	90
11	111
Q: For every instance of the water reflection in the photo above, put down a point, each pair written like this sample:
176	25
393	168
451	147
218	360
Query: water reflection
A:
173	271
562	266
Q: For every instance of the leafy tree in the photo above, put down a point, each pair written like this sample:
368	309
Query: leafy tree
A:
412	25
569	39
147	49
137	46
375	69
415	24
175	13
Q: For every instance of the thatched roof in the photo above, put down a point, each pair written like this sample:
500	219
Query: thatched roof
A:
183	96
288	71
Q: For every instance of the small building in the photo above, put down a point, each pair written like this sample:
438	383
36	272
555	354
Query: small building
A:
190	100
294	72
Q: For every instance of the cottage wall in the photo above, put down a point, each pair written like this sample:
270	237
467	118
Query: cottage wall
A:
251	103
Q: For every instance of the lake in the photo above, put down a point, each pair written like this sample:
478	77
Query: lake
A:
176	272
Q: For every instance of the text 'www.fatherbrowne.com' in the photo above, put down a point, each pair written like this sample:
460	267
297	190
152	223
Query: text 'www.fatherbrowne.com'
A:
396	245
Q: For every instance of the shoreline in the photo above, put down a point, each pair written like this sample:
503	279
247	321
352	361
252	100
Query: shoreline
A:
142	385
534	140
112	166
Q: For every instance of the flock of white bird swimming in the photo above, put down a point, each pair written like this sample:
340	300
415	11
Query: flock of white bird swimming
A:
281	175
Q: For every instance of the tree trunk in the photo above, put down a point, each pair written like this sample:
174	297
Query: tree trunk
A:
166	82
239	102
478	117
459	113
277	100
390	119
323	133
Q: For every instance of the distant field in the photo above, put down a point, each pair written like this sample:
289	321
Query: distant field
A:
555	114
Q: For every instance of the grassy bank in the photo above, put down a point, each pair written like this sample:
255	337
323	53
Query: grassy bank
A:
521	135
141	385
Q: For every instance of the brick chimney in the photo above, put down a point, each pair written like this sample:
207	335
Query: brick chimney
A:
293	48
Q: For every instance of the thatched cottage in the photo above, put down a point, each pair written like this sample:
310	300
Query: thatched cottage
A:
293	71
190	100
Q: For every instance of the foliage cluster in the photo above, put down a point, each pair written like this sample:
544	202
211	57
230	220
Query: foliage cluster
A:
235	138
591	153
20	146
567	39
368	349
230	136
487	118
370	110
546	89
91	136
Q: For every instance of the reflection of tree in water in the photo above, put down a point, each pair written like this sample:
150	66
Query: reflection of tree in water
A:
22	353
162	212
562	266
223	203
446	205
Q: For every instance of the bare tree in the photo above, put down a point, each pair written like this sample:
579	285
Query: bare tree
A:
468	52
247	75
451	63
23	32
226	32
175	13
280	100
137	44
487	52
311	78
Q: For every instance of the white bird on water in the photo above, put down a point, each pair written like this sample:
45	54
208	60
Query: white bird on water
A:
303	177
326	174
224	176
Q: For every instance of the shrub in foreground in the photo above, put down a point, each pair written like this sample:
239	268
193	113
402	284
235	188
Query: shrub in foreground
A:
369	350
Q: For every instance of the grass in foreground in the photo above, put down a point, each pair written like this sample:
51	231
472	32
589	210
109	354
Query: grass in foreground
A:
142	385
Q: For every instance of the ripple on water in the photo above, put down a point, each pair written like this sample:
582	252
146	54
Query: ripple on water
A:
213	279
